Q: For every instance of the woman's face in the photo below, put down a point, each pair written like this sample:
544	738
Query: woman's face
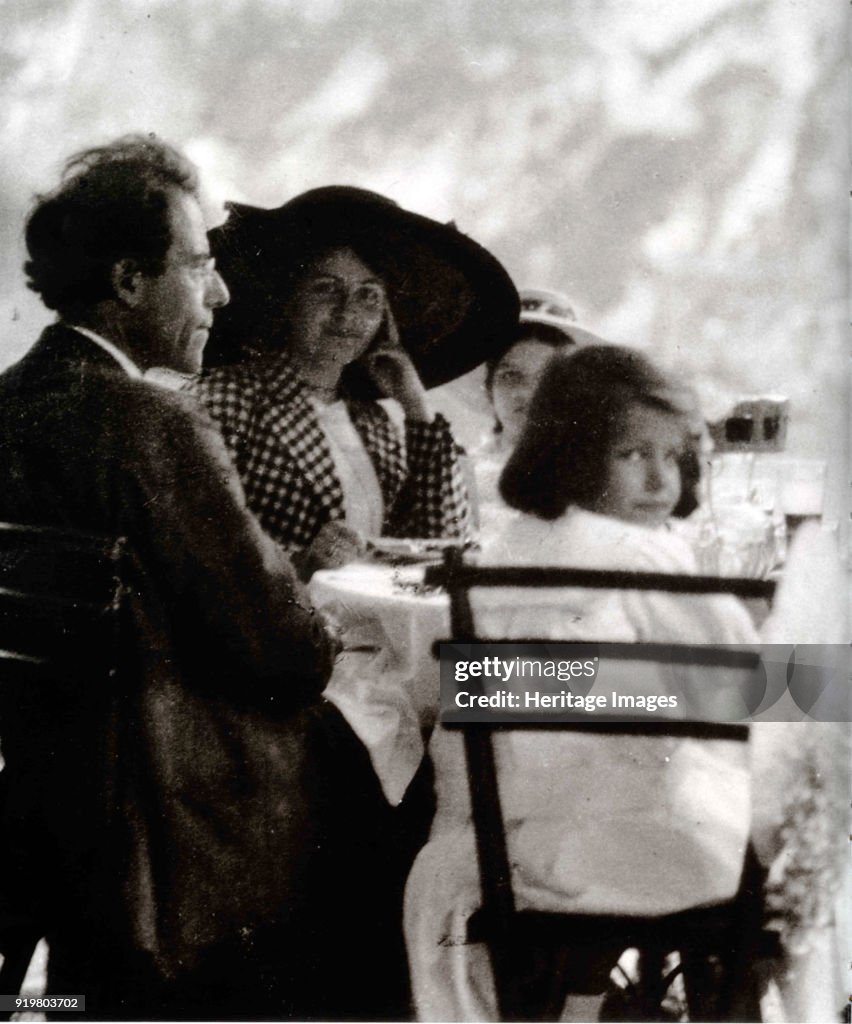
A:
335	310
514	381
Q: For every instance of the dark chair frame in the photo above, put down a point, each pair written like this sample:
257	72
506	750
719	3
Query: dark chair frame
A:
733	928
61	599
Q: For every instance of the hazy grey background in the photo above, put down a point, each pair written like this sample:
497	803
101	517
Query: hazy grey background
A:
679	168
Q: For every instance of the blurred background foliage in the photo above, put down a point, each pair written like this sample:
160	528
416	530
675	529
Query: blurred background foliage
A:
678	168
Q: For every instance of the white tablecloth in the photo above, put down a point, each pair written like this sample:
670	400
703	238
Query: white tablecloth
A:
386	680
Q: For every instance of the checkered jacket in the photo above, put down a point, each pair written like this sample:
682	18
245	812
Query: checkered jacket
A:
287	469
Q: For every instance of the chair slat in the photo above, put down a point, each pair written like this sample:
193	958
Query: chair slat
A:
671	654
462	575
20	535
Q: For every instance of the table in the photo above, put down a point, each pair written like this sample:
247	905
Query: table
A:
386	681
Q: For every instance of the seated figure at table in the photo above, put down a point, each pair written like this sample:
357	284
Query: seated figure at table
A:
339	299
546	325
645	824
344	308
160	827
596	475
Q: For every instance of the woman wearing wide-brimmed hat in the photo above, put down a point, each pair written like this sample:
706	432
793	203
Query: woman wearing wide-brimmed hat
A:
341	298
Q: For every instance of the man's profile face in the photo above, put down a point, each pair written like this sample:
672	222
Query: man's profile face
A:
176	312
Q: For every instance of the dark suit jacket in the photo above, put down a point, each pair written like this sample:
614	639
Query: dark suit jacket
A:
205	766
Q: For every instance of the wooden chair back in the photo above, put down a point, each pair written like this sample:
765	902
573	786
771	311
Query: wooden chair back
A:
61	621
498	921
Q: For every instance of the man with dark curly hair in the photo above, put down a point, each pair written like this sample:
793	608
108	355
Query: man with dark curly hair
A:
167	907
120	250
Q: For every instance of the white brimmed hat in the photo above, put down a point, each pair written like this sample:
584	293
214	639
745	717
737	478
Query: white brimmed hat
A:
553	309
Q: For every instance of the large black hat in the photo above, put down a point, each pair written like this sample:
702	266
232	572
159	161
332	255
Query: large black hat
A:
453	302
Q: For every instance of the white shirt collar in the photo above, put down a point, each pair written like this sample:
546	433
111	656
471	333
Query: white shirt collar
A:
166	377
123	360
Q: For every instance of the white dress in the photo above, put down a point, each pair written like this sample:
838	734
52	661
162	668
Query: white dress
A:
487	462
595	823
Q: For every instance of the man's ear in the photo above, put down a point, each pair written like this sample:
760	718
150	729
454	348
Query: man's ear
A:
127	280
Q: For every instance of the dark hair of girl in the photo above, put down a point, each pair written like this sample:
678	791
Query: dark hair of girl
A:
561	456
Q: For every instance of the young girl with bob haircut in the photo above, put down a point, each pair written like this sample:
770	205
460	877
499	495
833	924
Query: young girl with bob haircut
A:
596	823
628	824
578	439
597	473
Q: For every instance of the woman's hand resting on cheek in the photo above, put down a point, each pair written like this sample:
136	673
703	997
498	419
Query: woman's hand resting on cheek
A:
393	372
